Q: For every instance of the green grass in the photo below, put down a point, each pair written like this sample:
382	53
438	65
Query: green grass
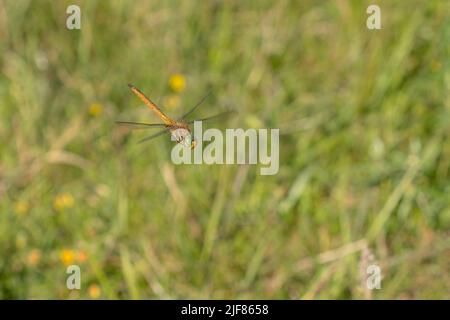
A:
364	176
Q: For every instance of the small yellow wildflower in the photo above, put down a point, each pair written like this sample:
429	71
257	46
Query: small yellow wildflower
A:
94	291
95	109
34	256
172	101
67	257
21	207
177	82
62	201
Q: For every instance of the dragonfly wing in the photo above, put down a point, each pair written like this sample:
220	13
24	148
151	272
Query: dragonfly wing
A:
153	136
225	113
141	125
196	106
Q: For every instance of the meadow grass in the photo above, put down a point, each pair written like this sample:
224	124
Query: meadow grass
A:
364	150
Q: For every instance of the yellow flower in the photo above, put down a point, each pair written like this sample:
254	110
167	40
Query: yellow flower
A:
95	109
177	82
34	256
67	257
21	207
94	291
62	201
172	101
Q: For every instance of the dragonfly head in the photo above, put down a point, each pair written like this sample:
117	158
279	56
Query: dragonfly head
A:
184	137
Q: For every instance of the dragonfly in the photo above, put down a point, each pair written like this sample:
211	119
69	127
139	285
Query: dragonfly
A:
179	129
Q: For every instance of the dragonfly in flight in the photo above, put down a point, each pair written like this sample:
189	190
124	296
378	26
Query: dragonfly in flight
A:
179	129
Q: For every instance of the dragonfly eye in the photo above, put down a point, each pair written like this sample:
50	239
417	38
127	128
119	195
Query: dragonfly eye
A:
182	136
187	140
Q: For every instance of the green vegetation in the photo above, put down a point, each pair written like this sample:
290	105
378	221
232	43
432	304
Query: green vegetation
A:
364	118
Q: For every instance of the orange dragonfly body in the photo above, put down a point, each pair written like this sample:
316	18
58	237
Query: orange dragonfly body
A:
179	129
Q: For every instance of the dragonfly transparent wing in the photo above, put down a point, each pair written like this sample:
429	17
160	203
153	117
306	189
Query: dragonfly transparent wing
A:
141	125
225	113
160	133
196	106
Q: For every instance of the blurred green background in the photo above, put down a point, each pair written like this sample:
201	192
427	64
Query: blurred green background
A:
364	150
